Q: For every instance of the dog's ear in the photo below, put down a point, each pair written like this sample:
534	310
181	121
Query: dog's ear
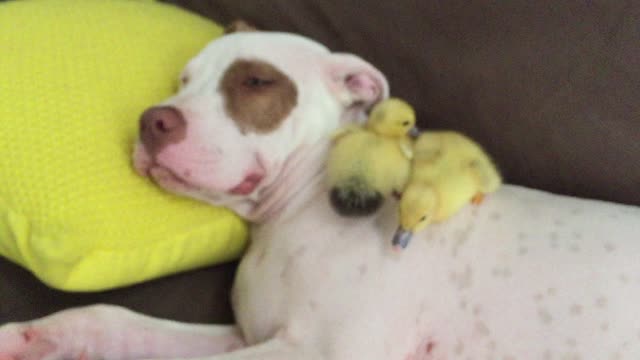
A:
239	25
357	84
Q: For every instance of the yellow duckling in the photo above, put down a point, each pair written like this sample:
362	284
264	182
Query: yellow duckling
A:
367	164
449	171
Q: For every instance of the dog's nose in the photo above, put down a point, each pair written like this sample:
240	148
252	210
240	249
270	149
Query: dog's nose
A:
161	126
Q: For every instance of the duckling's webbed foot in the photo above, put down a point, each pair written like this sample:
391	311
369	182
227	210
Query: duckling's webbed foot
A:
477	199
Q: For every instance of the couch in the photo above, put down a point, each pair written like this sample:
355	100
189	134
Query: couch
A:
551	88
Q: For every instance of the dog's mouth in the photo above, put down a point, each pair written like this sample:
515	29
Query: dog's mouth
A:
146	166
167	179
247	185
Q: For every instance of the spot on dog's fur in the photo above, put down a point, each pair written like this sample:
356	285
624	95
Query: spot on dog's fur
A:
258	97
624	279
482	329
462	280
601	302
501	272
571	356
362	269
463	304
460	238
261	255
300	251
553	240
575	309
492	346
545	316
523	250
459	347
477	309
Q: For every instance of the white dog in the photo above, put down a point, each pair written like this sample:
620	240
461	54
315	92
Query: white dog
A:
525	275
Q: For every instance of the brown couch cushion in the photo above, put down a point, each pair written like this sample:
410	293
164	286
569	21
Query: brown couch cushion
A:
195	296
550	87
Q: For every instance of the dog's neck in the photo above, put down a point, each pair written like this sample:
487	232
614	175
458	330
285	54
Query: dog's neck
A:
300	178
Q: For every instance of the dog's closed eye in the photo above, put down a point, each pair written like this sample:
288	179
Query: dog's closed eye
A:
255	82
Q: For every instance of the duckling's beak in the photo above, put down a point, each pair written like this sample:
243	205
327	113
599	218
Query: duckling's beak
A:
401	238
414	132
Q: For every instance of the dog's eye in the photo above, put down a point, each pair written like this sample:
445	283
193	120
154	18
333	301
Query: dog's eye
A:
254	82
184	79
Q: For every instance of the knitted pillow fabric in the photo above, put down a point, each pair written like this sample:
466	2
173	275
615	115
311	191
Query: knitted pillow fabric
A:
74	77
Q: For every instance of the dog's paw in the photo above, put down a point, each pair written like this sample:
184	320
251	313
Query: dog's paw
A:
26	342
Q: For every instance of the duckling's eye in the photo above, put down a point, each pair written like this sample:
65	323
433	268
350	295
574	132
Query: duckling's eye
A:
423	218
406	123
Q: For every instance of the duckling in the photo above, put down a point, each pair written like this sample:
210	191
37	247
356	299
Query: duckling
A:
449	170
367	164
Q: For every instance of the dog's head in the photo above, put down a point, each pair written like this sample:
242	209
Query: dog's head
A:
245	104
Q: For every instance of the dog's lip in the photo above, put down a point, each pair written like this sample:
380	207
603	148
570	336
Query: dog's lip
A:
163	175
248	184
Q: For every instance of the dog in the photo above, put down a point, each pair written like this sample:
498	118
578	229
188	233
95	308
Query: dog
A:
525	275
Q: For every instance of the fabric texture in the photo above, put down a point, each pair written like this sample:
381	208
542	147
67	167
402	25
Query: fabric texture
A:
76	74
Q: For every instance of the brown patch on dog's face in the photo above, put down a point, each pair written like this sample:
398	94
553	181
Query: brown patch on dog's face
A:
257	96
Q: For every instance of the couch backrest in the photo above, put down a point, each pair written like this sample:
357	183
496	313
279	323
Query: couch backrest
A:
551	88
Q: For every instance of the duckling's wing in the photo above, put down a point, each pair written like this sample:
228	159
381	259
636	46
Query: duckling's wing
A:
487	175
455	190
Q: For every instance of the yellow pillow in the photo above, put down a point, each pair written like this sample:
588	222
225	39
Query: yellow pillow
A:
74	77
